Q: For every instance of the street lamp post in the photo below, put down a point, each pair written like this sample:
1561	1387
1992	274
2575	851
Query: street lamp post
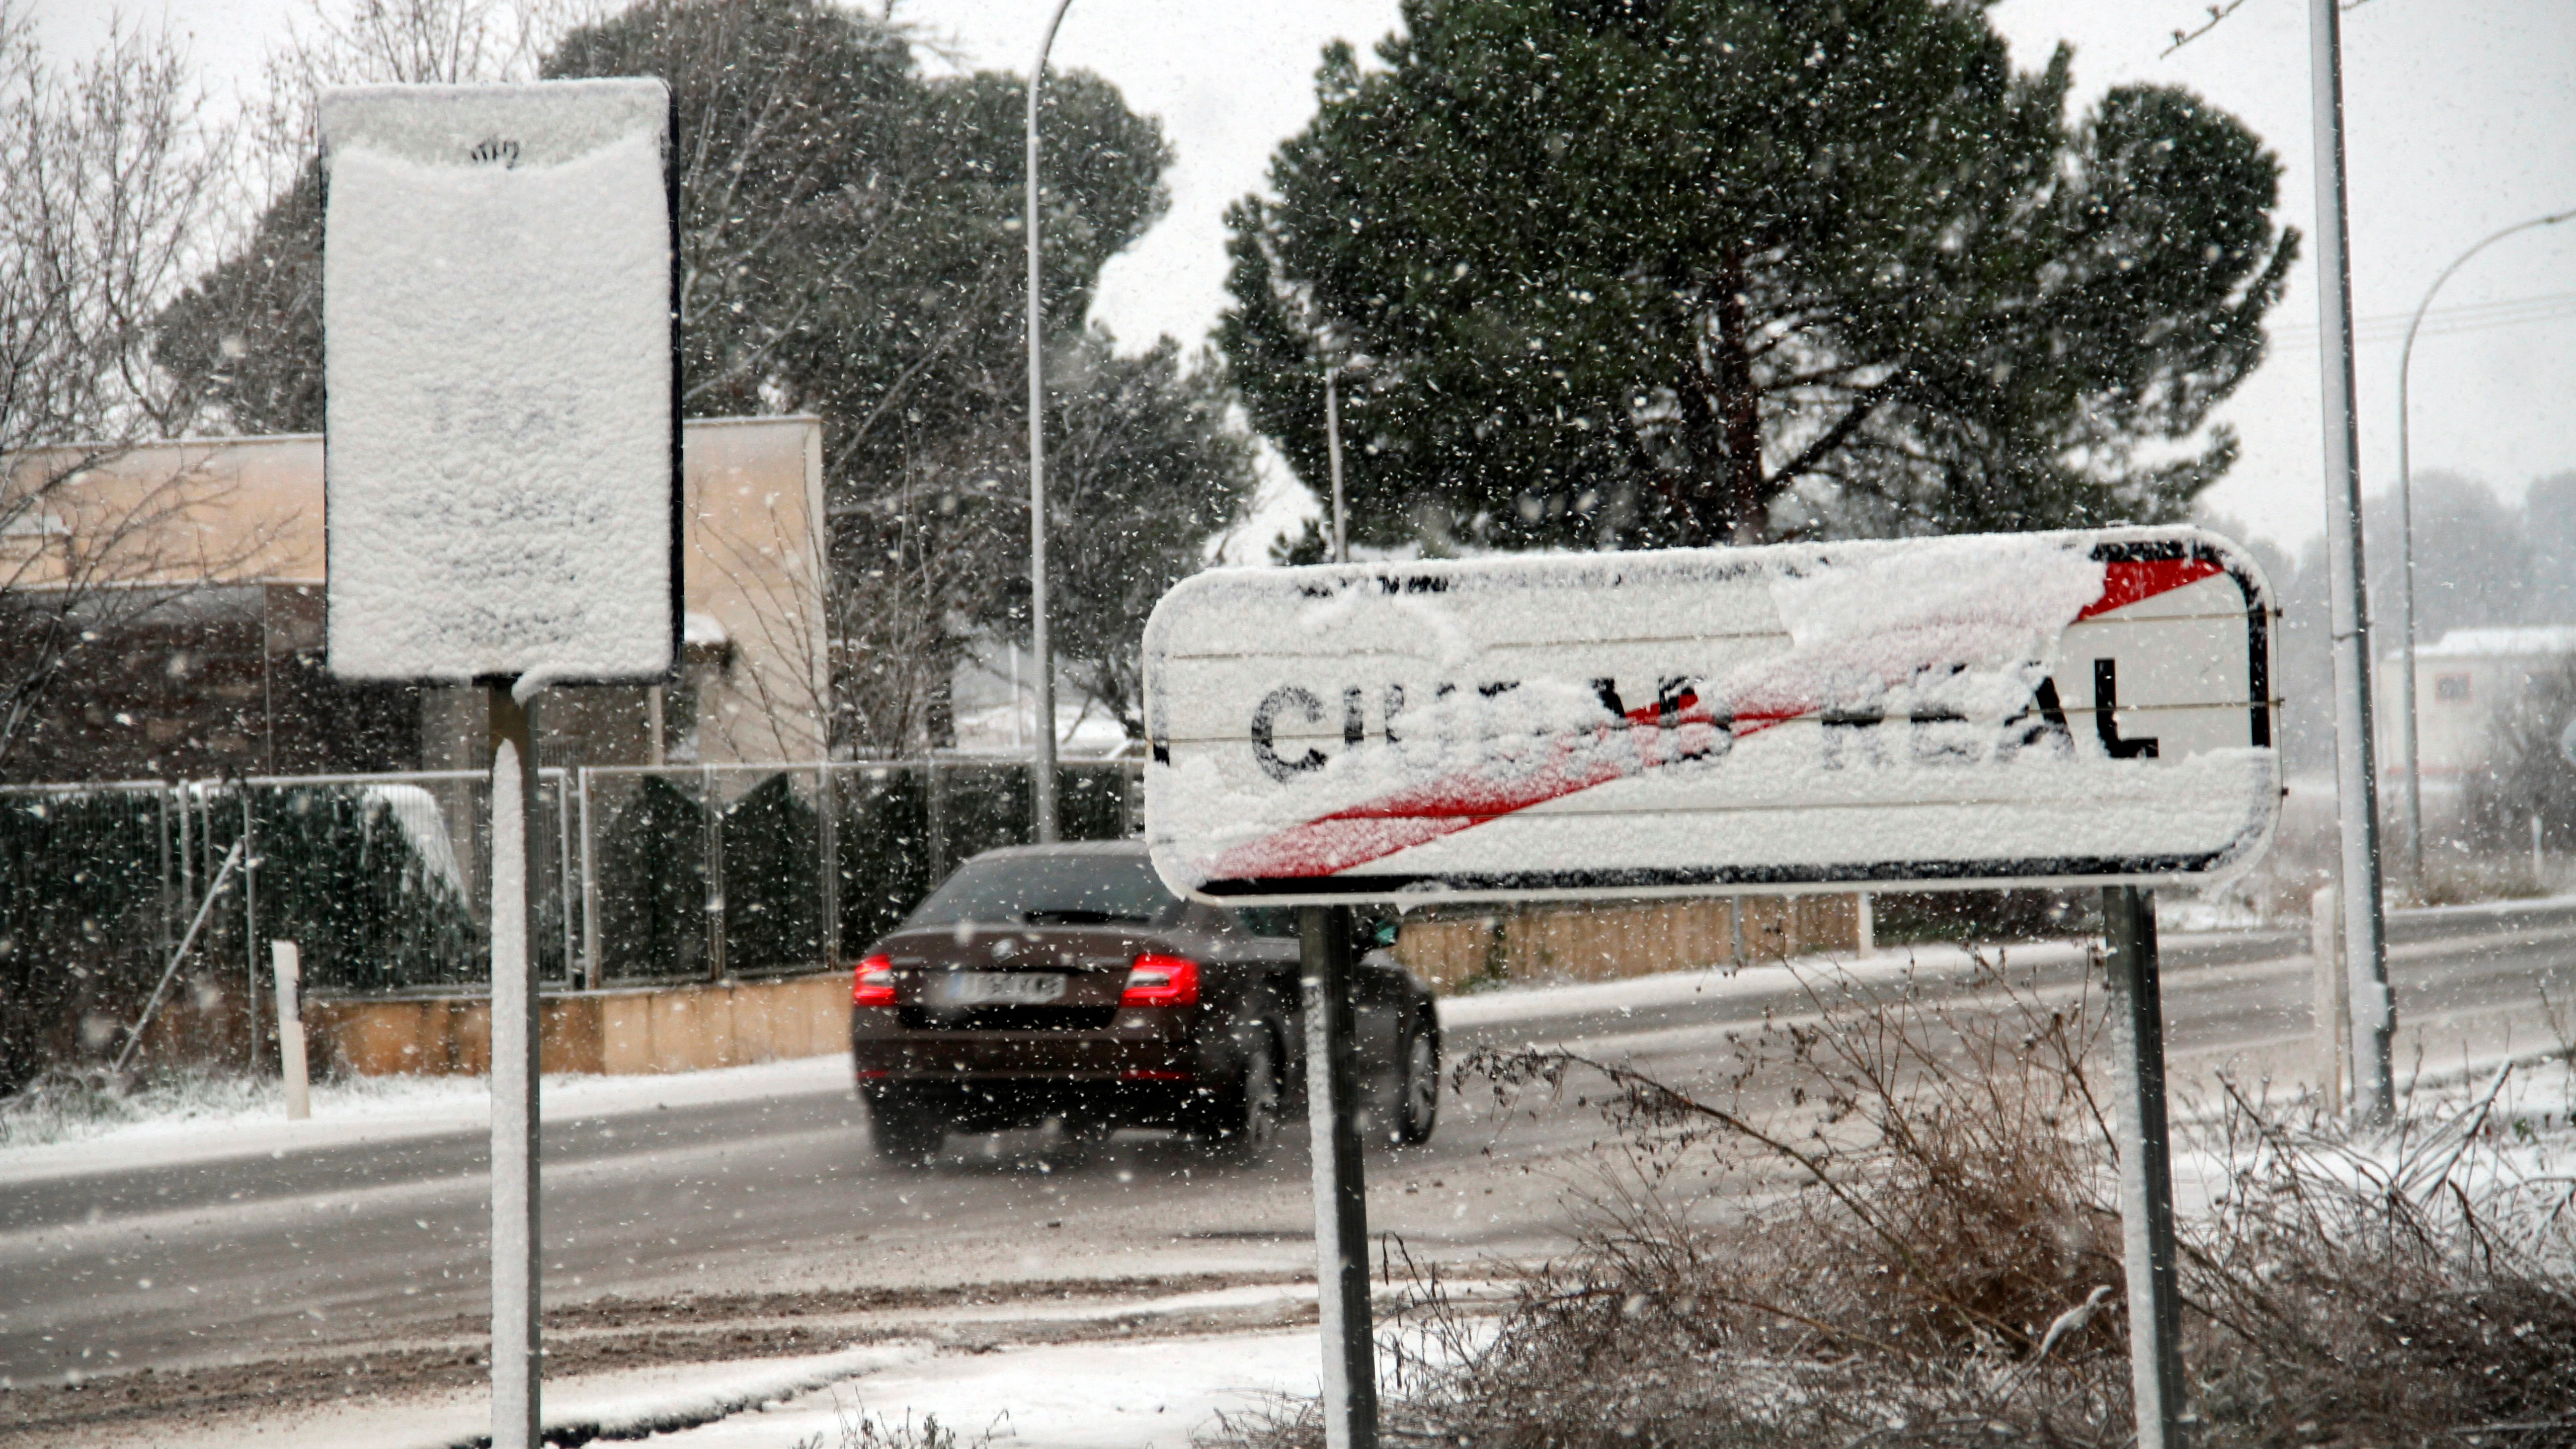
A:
2406	548
1041	649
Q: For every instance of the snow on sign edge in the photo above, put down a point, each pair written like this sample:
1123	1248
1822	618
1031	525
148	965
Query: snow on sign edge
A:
1997	589
502	462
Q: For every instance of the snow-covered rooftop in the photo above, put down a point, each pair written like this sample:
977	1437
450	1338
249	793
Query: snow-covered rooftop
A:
2522	643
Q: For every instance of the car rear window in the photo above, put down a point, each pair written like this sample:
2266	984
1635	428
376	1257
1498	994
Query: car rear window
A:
1050	890
1277	922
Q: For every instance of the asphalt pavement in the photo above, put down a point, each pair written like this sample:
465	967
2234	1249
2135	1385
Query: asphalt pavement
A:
238	1260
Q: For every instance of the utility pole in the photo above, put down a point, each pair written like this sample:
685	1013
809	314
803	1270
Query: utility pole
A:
2357	787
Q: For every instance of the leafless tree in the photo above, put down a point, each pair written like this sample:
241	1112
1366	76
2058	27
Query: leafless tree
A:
2528	772
407	42
112	178
910	567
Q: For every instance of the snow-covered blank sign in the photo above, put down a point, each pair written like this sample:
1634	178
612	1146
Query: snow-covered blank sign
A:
2068	707
502	467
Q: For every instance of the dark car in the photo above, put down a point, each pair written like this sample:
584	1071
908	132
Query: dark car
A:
1065	981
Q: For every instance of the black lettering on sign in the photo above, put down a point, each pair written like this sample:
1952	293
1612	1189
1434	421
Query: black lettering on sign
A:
1354	728
1853	726
1265	721
2042	726
1675	695
2106	699
1937	742
1394	703
1672	696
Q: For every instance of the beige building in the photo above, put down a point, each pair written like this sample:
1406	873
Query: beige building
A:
2461	681
208	564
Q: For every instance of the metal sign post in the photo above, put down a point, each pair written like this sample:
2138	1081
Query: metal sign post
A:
516	1365
2146	1169
2075	708
1341	1187
502	486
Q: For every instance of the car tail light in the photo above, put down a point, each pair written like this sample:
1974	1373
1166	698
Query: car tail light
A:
874	983
1161	981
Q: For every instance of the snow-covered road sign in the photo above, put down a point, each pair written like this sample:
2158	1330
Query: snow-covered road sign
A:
502	471
2069	707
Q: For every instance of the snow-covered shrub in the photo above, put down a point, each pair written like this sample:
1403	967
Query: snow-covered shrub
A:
1898	1227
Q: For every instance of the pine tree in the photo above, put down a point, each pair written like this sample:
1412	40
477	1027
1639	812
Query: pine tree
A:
1622	273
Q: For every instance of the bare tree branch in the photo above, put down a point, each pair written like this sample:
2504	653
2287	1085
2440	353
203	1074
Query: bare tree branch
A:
113	181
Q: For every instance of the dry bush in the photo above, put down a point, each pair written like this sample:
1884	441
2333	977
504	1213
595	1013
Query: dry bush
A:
1950	1200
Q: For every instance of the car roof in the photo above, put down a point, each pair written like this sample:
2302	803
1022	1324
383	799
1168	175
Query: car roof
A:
1062	847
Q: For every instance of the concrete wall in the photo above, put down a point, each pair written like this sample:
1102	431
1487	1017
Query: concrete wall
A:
1606	942
626	1032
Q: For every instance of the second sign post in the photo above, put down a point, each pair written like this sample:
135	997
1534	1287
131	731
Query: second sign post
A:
2076	709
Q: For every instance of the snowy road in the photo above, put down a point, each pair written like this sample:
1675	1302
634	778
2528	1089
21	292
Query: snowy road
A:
729	1224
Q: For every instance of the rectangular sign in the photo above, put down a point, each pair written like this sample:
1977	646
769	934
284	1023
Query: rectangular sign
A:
2007	709
500	339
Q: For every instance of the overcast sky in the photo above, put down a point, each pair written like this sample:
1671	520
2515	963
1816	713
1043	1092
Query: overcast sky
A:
2461	120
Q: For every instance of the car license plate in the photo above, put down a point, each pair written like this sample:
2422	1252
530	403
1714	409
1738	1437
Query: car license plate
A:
999	988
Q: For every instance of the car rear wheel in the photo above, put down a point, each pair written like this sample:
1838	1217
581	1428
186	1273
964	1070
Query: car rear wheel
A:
1418	1105
1242	1124
907	1132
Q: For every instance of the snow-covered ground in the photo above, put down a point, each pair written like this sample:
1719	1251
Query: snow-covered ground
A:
1153	1394
628	1404
1146	1394
1120	1378
208	1118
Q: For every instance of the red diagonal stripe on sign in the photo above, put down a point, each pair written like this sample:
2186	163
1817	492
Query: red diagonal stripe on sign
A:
2124	584
1420	814
1423	813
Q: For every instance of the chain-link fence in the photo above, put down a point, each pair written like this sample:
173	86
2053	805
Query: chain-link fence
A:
725	871
672	873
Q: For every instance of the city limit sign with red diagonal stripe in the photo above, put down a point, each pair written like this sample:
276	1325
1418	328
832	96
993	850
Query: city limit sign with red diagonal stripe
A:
2063	707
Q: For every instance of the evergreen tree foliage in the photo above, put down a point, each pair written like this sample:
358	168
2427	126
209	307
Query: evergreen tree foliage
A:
850	246
1635	272
249	332
1144	470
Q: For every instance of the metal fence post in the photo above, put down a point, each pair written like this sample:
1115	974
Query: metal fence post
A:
711	799
187	853
250	932
169	909
936	808
573	976
827	844
590	973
